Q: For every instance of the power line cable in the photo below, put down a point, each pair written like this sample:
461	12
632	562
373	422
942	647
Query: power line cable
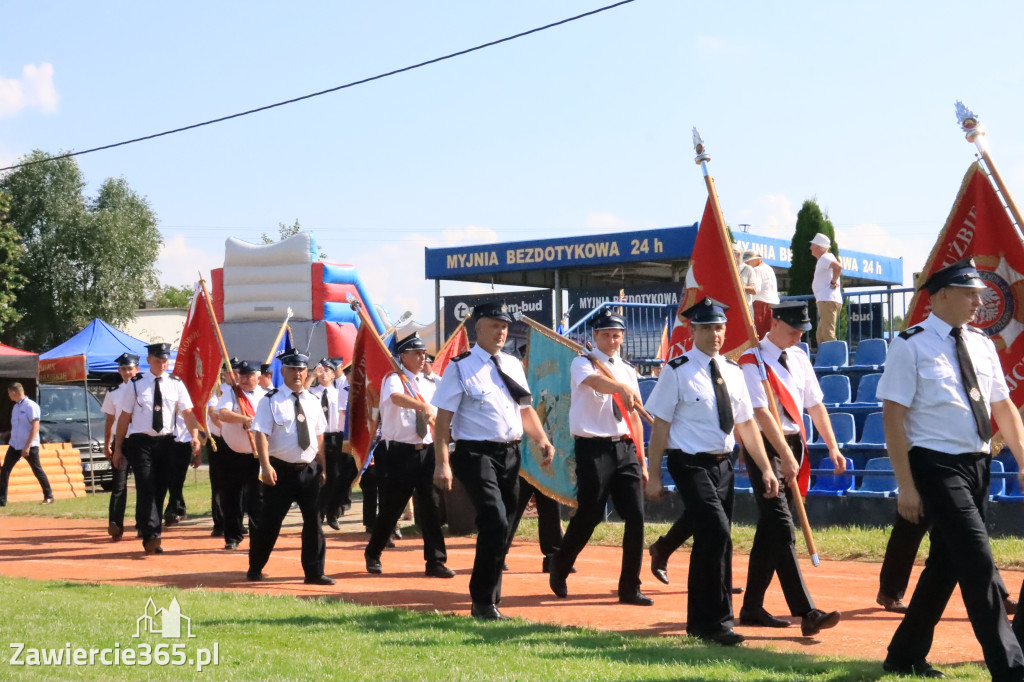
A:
325	92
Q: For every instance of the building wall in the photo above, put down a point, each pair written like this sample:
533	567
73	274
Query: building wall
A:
157	324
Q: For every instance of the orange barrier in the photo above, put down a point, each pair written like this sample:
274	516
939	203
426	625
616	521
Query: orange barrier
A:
63	468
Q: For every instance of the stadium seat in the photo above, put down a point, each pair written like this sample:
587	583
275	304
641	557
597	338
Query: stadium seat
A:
866	389
997	486
826	485
831	356
870	353
843	426
808	428
802	345
874	430
836	388
646	386
741	482
877	486
666	478
1013	492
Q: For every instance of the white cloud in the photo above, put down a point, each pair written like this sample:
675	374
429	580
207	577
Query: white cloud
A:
873	238
179	263
772	215
34	90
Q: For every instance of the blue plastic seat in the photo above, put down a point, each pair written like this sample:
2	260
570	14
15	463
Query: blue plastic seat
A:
1013	492
874	430
802	345
826	485
666	478
836	389
867	387
844	428
832	355
997	486
870	353
877	486
808	428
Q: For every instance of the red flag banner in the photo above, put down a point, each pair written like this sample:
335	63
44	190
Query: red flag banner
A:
199	359
457	344
370	364
979	226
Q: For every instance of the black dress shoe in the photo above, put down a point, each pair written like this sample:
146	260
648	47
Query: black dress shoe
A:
115	530
545	565
891	604
373	566
390	544
736	590
504	566
817	620
171	519
230	545
333	523
920	669
319	580
761	618
659	563
439	571
152	546
487	612
217	533
397	535
1010	605
638	598
253	576
557	584
724	637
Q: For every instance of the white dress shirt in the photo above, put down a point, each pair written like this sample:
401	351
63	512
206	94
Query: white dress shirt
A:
923	374
24	412
275	417
137	400
474	391
799	379
399	423
821	285
335	415
181	432
685	398
234	434
767	284
590	412
110	402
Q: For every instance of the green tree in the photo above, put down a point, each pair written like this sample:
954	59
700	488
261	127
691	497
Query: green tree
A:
84	258
809	221
11	255
285	231
168	296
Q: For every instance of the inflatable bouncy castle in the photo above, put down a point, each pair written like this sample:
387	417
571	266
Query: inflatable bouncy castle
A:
260	282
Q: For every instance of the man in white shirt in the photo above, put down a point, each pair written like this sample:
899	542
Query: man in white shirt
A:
767	293
24	442
333	493
127	368
827	294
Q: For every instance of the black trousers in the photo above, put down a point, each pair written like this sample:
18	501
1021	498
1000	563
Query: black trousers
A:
490	474
900	553
605	469
241	493
152	460
118	494
706	485
293	485
216	469
549	521
774	548
408	472
11	458
175	488
953	489
341	472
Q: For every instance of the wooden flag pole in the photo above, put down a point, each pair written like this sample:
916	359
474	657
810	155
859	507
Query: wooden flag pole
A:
702	160
365	319
451	337
277	339
975	133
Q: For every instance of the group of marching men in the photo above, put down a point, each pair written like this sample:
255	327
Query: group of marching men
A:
941	387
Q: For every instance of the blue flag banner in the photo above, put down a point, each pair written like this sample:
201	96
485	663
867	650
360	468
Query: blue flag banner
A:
285	344
547	361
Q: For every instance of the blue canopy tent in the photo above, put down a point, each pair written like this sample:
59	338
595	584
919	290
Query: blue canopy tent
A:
101	344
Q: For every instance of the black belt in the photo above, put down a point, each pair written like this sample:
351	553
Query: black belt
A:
936	454
295	466
169	436
706	456
414	447
606	439
488	445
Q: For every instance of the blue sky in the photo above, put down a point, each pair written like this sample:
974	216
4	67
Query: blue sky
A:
581	129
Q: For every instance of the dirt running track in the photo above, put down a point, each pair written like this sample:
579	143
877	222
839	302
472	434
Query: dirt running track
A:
63	549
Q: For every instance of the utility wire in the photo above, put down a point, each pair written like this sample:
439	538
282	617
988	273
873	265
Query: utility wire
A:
324	92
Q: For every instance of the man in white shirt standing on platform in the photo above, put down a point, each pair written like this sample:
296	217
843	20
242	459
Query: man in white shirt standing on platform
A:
827	294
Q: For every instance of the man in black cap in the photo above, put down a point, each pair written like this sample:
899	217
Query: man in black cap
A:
699	401
214	454
127	368
289	429
795	389
145	435
406	419
266	380
484	405
240	491
608	462
332	494
941	389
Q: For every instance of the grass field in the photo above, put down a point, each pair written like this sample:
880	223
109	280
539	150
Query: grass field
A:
288	638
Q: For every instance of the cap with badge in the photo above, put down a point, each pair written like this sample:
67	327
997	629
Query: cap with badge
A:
606	319
497	310
293	358
328	363
412	342
963	274
793	313
159	350
707	311
127	360
246	367
266	368
234	362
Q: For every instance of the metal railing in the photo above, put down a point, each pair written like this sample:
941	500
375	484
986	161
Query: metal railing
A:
869	314
645	323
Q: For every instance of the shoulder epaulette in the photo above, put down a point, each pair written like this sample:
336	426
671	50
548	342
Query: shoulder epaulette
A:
461	356
114	388
176	377
907	333
678	362
732	362
974	329
137	377
270	393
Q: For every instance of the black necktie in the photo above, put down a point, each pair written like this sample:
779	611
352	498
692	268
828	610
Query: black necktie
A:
970	382
725	418
300	423
158	406
324	403
782	361
615	406
519	394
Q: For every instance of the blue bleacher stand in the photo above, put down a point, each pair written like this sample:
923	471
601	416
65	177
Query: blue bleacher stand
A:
836	388
832	486
1013	493
997	486
874	430
866	389
831	356
871	354
877	486
741	481
646	385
